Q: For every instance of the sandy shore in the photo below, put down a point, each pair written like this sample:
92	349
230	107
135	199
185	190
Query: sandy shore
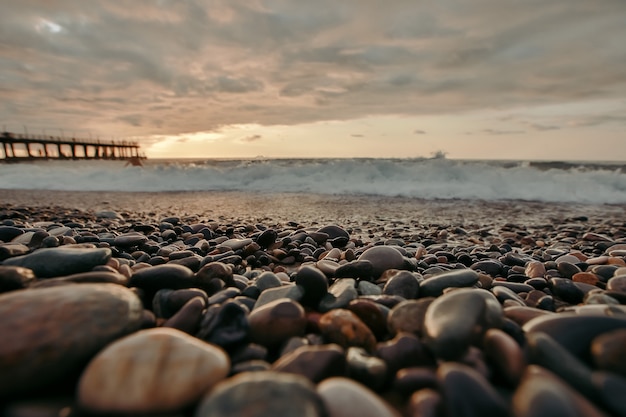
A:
316	209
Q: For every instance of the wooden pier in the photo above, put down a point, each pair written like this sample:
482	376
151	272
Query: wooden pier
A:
26	147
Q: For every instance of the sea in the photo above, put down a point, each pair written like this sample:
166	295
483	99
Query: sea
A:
420	178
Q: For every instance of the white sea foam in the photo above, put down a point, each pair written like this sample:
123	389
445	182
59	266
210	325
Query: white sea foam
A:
419	178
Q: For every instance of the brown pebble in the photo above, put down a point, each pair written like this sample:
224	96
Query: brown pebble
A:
346	329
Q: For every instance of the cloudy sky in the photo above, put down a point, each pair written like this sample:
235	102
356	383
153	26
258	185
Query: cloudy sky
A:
290	78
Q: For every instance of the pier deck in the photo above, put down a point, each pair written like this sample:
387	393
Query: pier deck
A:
26	147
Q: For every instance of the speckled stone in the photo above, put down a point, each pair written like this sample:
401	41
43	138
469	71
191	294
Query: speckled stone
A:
50	333
152	371
346	329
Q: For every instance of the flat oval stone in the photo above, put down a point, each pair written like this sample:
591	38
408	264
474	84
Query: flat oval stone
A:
277	321
129	240
263	394
434	286
163	276
156	370
347	398
314	362
93	277
66	260
383	258
458	318
346	329
49	333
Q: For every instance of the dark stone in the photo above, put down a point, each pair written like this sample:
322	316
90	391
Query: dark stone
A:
358	269
314	362
575	332
65	260
225	325
566	290
403	351
489	266
458	319
187	319
468	393
314	284
403	284
266	238
163	276
369	370
8	233
434	286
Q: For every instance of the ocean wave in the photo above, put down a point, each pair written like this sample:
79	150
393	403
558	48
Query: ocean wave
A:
416	178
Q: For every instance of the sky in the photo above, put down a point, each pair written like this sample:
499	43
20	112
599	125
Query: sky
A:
488	79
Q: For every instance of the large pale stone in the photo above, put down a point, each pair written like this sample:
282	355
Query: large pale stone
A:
155	370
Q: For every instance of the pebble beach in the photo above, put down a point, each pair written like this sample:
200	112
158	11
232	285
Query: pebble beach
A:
218	303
